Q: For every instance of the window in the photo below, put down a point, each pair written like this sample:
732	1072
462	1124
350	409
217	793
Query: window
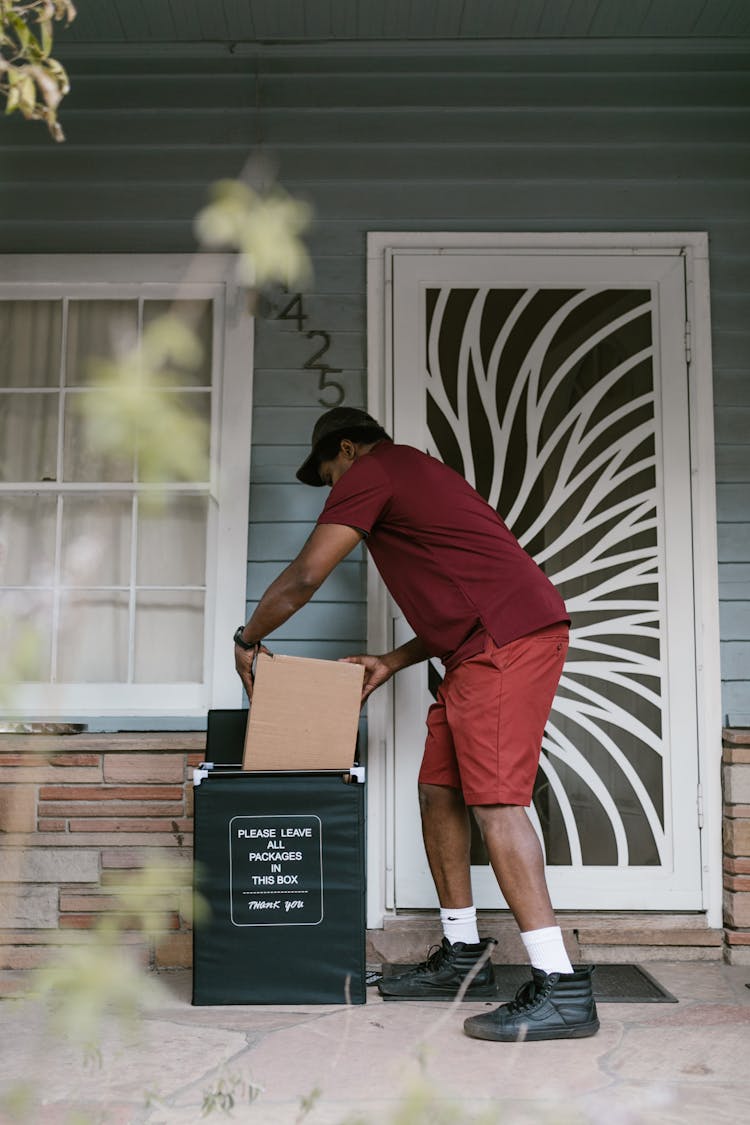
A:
130	590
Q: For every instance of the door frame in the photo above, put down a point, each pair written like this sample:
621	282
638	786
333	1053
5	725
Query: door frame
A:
693	246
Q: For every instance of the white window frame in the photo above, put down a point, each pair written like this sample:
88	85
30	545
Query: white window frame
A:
381	246
165	276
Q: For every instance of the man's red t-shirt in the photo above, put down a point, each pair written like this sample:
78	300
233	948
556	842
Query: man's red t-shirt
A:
448	560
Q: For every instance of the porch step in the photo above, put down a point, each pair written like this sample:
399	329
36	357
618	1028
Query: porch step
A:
613	937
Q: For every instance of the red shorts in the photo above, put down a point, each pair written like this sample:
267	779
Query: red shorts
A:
484	734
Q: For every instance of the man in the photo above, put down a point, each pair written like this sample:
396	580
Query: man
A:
474	598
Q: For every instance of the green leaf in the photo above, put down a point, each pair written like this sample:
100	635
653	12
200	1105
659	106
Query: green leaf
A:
27	102
13	99
45	28
18	23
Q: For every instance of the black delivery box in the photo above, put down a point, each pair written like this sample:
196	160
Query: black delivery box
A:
279	865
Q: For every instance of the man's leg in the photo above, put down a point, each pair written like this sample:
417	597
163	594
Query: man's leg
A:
446	830
518	862
447	839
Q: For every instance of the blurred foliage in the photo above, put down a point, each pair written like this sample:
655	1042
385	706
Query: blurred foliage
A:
264	227
20	653
89	985
307	1103
31	81
228	1092
133	404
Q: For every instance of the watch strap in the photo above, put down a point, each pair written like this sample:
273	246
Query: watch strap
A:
238	640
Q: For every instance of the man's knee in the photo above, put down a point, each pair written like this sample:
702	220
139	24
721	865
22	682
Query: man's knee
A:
438	798
489	816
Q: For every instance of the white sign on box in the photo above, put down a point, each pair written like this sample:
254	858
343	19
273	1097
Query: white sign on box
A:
304	714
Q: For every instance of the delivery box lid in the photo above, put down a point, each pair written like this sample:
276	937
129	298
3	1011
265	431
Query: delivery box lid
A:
304	714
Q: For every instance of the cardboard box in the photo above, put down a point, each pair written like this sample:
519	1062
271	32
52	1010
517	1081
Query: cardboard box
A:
304	714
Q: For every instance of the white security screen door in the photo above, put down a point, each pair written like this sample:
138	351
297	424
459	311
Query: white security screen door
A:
557	385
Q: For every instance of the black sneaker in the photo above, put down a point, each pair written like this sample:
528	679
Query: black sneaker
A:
443	973
549	1006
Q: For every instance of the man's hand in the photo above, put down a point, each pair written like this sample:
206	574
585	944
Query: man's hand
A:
379	669
244	658
377	672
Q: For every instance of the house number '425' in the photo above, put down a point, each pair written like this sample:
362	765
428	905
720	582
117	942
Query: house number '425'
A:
294	311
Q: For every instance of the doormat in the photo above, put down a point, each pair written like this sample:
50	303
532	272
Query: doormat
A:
616	984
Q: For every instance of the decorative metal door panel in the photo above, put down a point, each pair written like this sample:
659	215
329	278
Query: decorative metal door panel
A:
557	385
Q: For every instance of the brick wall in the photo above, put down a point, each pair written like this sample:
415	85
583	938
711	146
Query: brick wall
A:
737	845
78	816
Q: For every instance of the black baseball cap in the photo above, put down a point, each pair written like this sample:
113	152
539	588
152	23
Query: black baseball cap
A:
343	420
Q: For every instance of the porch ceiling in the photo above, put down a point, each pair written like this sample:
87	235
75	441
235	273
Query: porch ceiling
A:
131	22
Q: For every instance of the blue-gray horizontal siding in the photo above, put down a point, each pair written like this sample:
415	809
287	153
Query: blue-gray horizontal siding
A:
164	21
575	138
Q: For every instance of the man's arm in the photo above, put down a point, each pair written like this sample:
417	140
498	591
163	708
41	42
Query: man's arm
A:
379	669
323	551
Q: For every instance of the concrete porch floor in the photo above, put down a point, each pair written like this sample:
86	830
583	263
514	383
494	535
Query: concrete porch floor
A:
397	1063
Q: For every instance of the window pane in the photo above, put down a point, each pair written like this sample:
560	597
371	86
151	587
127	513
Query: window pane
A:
27	615
96	536
98	330
191	403
197	315
80	461
27	540
93	638
172	543
28	436
169	636
30	341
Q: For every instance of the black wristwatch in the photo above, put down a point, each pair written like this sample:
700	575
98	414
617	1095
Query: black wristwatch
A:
238	640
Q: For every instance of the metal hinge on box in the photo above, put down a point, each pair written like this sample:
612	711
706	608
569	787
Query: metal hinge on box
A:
699	803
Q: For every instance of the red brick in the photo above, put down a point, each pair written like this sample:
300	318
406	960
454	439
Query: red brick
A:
72	903
737	865
111	793
737	883
65	760
123	857
175	952
51	825
142	767
170	921
18	808
738	937
739	736
23	759
736	811
38	775
737	836
195	760
736	755
94	902
131	824
737	910
48	759
112	808
23	956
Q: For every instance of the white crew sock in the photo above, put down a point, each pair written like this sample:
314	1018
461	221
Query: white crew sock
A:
546	950
460	925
